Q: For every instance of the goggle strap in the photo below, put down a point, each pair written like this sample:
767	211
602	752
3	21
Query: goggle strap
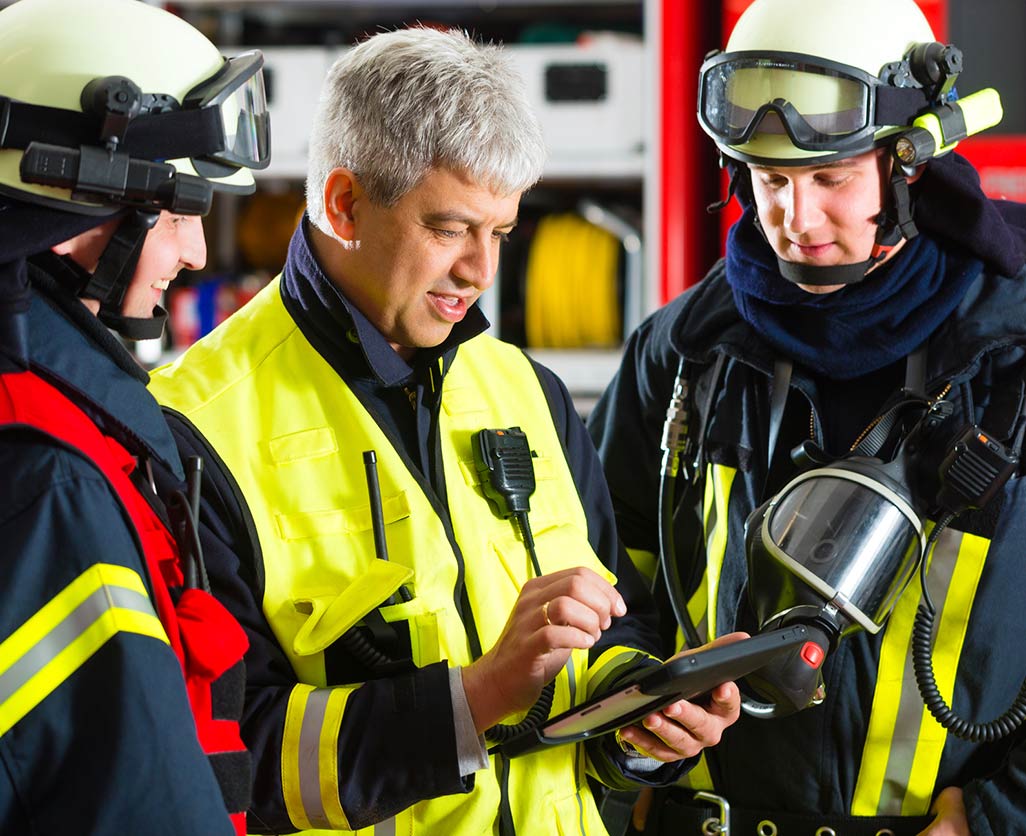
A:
899	105
172	136
161	136
22	123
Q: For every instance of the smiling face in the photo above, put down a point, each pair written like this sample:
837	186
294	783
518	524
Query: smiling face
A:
415	268
174	243
823	214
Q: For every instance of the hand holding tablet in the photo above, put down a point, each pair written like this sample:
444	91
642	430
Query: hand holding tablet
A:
683	677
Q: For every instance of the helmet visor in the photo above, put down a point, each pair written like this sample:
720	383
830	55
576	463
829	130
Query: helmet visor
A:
237	91
819	105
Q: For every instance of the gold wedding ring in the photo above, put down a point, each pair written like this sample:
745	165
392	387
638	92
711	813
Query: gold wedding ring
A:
545	613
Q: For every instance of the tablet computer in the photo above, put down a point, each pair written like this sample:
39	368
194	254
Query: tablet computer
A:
654	688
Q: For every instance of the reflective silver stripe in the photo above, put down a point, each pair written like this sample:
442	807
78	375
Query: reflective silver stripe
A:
385	828
702	626
910	704
711	521
309	757
72	626
719	486
572	685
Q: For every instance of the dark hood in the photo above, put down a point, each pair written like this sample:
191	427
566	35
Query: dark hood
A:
27	229
951	207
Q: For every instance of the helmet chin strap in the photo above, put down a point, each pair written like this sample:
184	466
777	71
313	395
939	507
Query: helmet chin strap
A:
894	224
137	327
113	274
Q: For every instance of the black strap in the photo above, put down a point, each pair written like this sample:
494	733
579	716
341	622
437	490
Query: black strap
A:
915	373
732	184
1019	424
778	402
109	281
193	132
680	816
136	327
952	122
902	206
698	471
899	105
505	822
913	397
823	275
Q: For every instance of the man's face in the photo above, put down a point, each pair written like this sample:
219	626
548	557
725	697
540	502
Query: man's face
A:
420	264
823	214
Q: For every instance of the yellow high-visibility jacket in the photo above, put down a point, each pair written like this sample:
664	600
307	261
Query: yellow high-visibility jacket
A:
292	435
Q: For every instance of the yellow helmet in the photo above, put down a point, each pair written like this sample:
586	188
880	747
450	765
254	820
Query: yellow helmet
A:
112	103
805	81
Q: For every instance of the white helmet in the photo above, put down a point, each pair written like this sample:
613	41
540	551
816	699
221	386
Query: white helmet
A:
802	82
112	103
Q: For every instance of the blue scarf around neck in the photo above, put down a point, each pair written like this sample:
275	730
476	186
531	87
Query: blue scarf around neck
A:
859	328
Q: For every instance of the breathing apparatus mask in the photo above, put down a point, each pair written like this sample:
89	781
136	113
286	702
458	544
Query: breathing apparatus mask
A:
836	547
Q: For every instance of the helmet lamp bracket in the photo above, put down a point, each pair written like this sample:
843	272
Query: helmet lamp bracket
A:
117	100
936	66
933	66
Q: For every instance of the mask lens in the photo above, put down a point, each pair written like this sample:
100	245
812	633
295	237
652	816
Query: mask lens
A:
814	105
850	537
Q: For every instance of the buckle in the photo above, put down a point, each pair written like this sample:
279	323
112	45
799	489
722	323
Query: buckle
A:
713	826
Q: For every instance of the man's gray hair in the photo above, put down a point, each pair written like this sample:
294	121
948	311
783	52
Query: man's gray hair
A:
404	102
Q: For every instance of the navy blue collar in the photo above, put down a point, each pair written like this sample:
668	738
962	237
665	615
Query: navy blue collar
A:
342	335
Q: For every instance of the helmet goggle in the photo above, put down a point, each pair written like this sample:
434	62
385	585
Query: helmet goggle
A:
119	147
819	104
237	92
